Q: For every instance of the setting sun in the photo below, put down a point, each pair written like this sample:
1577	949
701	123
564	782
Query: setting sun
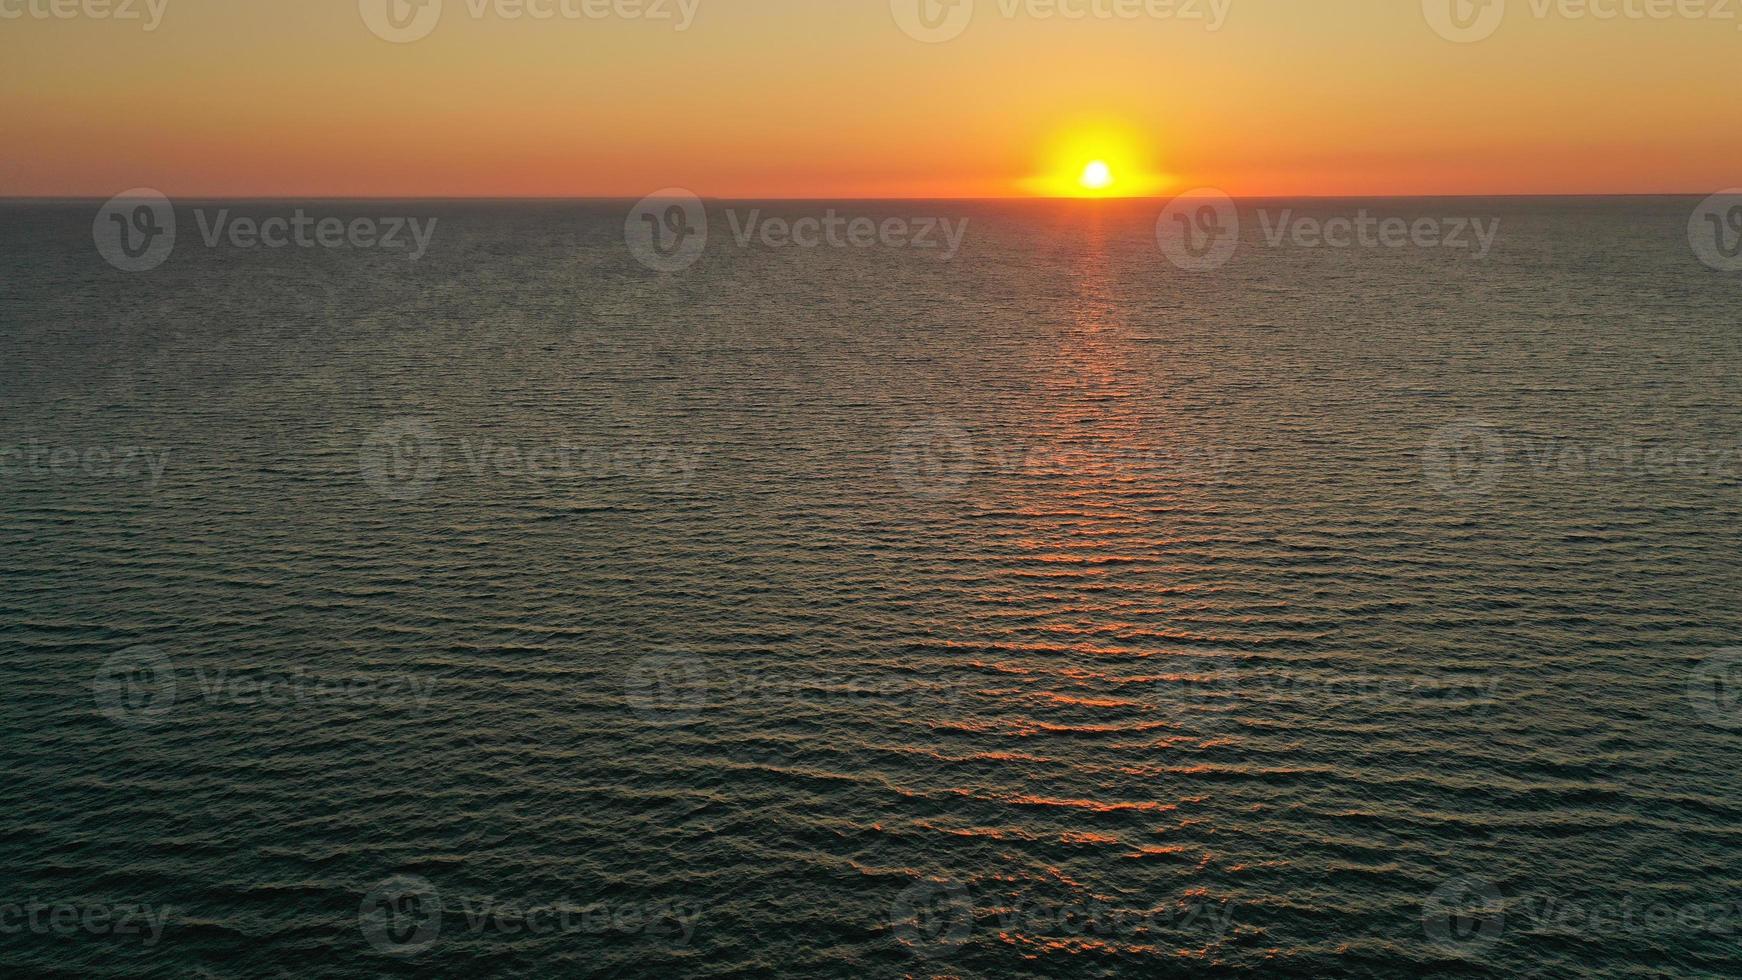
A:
1093	158
1097	176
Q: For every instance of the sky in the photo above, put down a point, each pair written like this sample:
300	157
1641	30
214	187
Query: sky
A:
834	99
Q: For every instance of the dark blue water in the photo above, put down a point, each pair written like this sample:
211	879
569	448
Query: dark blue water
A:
1042	610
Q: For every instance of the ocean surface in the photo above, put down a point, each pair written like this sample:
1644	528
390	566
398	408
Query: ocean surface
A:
1040	609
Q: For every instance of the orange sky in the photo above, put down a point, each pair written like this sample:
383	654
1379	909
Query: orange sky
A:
830	98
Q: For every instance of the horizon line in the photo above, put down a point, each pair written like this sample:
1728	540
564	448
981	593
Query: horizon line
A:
82	198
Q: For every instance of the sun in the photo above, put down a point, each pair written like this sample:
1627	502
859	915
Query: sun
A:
1095	159
1097	176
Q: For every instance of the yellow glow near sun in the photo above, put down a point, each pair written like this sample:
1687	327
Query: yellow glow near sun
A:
1096	159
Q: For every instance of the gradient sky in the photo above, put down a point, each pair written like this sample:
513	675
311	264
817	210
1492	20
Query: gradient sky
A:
829	98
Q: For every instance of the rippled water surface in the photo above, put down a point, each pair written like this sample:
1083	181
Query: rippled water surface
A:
850	612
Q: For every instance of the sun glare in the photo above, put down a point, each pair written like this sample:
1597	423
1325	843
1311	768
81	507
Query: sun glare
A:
1096	160
1097	176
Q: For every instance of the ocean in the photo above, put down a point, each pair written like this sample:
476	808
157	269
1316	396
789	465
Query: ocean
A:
930	588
